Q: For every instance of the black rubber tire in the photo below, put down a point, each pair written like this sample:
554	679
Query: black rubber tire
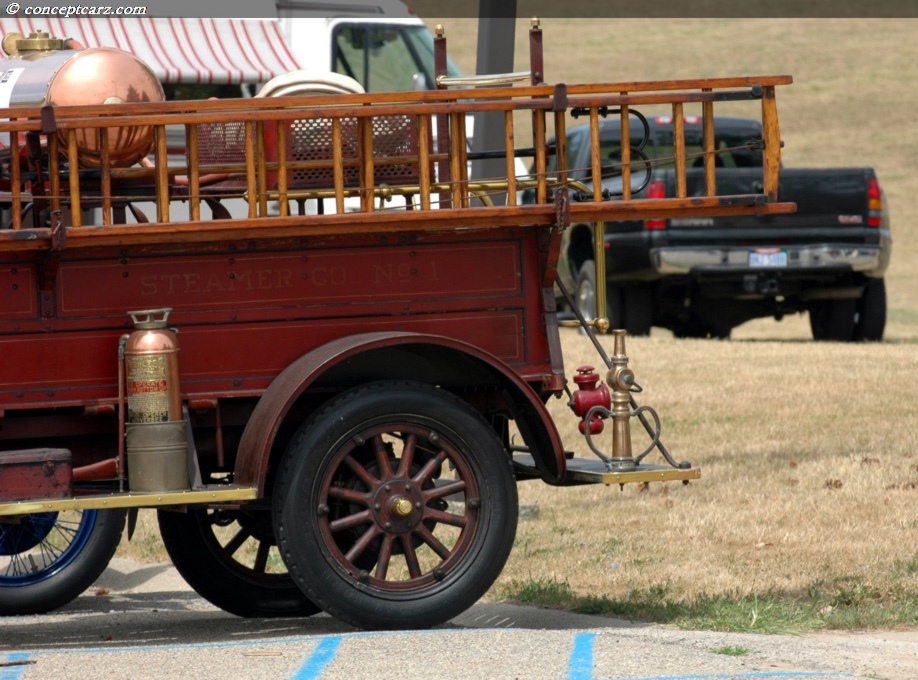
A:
871	312
241	586
357	499
833	319
637	304
84	543
586	296
700	330
586	290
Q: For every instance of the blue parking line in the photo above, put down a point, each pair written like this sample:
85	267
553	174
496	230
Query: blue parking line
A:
15	671
580	666
322	655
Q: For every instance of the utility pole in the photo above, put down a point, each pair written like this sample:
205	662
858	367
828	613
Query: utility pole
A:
496	33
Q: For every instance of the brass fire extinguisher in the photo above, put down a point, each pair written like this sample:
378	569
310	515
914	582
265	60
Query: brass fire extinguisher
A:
151	368
156	432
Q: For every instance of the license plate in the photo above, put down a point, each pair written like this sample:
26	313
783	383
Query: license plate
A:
771	257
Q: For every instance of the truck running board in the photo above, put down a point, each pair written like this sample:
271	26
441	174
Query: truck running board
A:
207	495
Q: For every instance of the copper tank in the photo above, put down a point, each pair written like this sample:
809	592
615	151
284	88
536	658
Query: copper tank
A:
41	70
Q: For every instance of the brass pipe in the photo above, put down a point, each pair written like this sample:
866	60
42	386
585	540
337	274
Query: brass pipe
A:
484	80
434	187
122	405
621	379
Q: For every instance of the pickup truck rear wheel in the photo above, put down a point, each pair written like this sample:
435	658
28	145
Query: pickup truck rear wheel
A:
586	296
871	312
395	506
637	308
628	307
833	319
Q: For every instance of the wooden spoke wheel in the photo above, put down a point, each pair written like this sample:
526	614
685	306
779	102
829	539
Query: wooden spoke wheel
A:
396	506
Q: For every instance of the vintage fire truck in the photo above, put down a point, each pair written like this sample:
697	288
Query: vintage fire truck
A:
308	340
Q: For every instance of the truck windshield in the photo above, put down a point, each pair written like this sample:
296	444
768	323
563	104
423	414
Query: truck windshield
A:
386	58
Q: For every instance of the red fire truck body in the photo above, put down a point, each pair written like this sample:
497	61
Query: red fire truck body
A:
292	364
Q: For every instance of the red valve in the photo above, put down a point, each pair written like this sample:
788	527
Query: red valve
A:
590	393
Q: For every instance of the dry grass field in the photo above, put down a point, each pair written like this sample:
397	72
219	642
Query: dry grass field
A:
805	515
806	504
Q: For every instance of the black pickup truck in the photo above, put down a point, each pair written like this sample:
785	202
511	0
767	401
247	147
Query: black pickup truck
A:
703	277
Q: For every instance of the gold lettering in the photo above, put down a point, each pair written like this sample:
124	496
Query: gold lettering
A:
170	280
191	283
284	278
213	283
381	273
148	285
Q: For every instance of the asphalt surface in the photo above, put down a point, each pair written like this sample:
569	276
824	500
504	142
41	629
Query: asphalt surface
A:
142	621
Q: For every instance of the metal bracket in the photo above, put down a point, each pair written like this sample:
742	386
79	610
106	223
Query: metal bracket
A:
58	231
562	208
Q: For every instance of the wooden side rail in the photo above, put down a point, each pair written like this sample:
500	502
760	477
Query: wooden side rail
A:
335	147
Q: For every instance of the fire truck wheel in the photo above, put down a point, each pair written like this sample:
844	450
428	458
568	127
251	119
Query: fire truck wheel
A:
227	557
49	558
395	506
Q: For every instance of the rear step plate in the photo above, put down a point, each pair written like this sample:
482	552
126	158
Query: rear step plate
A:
594	471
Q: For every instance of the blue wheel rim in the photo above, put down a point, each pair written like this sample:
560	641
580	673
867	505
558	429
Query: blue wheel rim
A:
42	545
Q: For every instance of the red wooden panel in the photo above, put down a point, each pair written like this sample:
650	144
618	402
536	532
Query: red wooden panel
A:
259	350
56	363
18	296
320	277
245	316
228	358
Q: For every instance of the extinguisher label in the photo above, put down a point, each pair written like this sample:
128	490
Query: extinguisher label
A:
147	389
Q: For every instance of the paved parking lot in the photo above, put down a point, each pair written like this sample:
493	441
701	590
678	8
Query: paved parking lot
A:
141	621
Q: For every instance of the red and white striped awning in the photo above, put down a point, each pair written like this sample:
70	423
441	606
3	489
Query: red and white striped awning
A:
180	50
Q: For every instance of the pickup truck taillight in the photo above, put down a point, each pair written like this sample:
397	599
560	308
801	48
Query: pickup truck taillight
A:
656	189
874	203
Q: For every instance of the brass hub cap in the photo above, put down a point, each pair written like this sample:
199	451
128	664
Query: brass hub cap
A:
401	506
398	506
